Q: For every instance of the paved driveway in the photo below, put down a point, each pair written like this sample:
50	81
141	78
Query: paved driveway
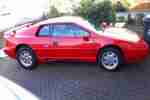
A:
81	81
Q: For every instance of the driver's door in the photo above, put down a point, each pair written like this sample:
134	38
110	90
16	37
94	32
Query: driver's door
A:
71	41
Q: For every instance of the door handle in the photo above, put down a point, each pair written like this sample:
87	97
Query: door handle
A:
55	43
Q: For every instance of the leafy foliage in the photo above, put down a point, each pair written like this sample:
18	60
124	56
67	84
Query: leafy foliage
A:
53	12
127	3
96	12
119	7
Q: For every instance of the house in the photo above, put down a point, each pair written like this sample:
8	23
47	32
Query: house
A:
141	6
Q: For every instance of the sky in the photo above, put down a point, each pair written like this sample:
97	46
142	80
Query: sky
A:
30	7
26	7
21	11
64	5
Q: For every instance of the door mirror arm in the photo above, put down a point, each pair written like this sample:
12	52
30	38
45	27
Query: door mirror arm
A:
86	38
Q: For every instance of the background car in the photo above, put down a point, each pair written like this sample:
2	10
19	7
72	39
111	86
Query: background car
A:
73	38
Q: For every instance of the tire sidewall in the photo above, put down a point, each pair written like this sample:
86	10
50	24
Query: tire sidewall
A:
117	52
34	59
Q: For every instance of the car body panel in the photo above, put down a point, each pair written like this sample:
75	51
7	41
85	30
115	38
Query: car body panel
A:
72	48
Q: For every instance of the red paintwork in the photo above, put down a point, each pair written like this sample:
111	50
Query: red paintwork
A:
71	48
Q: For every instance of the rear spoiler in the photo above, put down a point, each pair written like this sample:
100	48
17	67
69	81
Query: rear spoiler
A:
12	32
22	26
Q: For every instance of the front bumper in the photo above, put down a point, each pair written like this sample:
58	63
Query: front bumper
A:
137	52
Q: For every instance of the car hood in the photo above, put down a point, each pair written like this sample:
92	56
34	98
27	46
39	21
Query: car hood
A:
120	34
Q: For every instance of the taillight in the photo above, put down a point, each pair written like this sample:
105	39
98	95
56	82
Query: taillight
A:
9	34
13	33
6	43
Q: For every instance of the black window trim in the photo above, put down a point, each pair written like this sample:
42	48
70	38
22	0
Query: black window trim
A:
41	26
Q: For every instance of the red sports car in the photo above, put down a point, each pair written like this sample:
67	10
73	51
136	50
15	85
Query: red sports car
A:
73	38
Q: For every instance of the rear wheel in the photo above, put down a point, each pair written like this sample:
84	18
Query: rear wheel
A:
26	58
110	59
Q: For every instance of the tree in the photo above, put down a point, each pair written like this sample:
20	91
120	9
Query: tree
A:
96	12
127	3
53	12
119	7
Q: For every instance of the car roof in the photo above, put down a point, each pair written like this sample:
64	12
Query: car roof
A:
68	19
63	19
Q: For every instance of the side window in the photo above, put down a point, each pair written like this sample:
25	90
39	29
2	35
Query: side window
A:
77	31
44	31
61	30
68	29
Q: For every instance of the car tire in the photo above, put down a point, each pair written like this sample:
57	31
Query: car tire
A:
26	58
110	59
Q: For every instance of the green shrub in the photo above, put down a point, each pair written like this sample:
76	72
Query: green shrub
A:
119	7
96	12
53	12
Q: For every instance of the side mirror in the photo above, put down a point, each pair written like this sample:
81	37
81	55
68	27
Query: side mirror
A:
86	38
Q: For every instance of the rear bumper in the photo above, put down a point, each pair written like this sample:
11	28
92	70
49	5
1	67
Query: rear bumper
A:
10	52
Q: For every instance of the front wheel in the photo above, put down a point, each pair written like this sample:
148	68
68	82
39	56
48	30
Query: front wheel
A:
26	58
110	59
